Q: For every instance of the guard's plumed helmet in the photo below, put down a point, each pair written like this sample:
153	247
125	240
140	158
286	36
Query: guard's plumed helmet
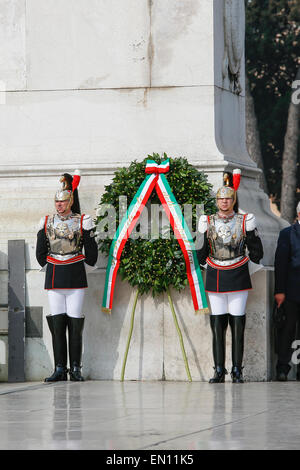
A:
229	189
68	190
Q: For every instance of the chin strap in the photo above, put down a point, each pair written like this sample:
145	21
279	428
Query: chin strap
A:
226	216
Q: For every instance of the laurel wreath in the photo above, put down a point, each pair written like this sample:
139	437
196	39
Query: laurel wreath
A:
156	264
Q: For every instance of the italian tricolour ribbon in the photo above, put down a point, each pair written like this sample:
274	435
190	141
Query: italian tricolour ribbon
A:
155	179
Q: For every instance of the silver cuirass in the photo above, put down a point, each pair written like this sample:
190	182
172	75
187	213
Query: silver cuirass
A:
64	234
226	237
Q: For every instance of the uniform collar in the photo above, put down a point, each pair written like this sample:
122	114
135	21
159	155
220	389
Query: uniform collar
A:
63	218
225	218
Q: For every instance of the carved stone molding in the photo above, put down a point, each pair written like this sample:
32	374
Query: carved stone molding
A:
40	170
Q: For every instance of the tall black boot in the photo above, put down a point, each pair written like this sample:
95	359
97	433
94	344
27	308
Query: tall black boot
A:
237	325
75	328
219	325
57	325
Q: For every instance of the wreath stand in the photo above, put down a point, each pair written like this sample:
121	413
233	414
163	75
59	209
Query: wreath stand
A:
177	328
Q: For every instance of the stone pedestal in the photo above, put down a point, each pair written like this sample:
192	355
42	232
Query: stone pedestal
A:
94	86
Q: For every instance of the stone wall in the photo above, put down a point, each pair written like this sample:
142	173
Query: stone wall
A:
95	84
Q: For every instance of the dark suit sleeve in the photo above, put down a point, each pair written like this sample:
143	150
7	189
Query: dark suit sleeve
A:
90	247
41	248
203	253
281	263
254	246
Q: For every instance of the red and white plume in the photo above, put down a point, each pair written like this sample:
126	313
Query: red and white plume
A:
76	180
236	178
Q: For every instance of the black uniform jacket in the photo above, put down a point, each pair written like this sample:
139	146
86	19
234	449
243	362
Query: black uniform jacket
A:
287	263
234	279
69	276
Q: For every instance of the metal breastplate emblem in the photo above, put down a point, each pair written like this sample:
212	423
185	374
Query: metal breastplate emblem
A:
64	235
226	237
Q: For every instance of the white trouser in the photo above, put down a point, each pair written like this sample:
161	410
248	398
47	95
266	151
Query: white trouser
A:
231	302
67	301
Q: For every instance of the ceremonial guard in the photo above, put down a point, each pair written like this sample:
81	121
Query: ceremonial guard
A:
230	239
65	242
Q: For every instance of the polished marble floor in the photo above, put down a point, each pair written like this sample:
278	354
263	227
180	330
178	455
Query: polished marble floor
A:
114	415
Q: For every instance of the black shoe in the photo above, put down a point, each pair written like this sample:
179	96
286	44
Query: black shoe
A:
281	377
219	376
75	374
237	375
58	375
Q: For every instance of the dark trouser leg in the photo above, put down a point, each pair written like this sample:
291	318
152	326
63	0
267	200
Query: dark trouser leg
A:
75	329
237	325
219	325
57	325
286	336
